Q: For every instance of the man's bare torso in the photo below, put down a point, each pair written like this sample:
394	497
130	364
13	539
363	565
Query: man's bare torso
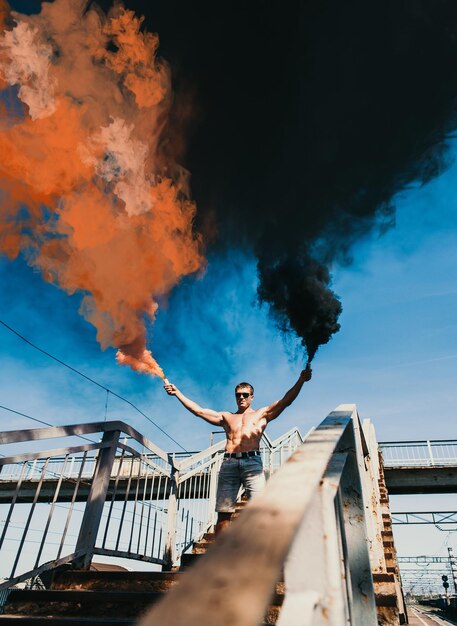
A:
244	430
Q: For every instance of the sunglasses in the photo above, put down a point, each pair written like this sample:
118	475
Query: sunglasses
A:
240	394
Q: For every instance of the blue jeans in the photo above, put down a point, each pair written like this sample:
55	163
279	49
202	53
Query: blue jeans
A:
235	473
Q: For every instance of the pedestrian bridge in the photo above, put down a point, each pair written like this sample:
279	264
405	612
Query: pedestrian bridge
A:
130	475
70	493
415	467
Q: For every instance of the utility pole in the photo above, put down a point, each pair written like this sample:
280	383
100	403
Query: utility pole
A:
453	566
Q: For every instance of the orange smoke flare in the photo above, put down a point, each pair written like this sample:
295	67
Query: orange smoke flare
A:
145	363
88	194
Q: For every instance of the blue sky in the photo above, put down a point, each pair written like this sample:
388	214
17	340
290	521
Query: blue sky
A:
395	356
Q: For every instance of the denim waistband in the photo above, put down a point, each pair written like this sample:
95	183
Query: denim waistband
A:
241	455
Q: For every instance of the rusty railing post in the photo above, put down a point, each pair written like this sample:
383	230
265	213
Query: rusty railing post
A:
213	478
169	551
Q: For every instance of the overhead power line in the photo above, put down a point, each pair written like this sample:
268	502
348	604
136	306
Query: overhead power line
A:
76	371
29	417
34	419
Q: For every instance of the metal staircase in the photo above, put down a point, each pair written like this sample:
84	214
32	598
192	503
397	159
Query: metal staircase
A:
313	547
80	597
111	598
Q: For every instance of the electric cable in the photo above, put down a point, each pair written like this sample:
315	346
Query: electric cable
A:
106	404
35	419
76	371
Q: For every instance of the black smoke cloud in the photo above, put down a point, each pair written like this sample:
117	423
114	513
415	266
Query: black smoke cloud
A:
308	118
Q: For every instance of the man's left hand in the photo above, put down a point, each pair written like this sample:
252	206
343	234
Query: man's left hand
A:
306	374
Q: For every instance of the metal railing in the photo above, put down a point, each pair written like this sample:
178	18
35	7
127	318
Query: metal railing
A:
116	494
422	560
419	453
309	522
425	517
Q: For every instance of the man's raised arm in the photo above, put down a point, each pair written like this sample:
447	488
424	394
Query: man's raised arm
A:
278	407
213	417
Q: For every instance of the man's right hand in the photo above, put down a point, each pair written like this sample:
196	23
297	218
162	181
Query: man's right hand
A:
306	374
170	389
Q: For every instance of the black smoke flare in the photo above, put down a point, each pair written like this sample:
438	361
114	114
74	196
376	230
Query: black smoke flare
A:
297	287
309	117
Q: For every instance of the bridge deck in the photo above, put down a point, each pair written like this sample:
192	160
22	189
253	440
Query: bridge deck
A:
416	480
401	480
160	490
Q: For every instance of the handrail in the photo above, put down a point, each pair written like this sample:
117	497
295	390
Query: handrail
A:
396	444
32	456
309	518
191	460
50	432
276	442
431	452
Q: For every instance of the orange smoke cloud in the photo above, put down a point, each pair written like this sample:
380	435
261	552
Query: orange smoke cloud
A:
140	360
88	195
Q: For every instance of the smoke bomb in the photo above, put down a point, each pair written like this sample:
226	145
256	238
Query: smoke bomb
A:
361	103
108	211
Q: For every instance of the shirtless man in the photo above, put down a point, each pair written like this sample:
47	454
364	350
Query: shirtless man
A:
242	464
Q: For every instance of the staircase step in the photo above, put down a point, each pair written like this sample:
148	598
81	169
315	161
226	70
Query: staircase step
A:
201	547
383	578
189	559
389	600
107	604
118	581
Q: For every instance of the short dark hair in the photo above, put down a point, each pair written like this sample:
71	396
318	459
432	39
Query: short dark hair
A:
245	385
